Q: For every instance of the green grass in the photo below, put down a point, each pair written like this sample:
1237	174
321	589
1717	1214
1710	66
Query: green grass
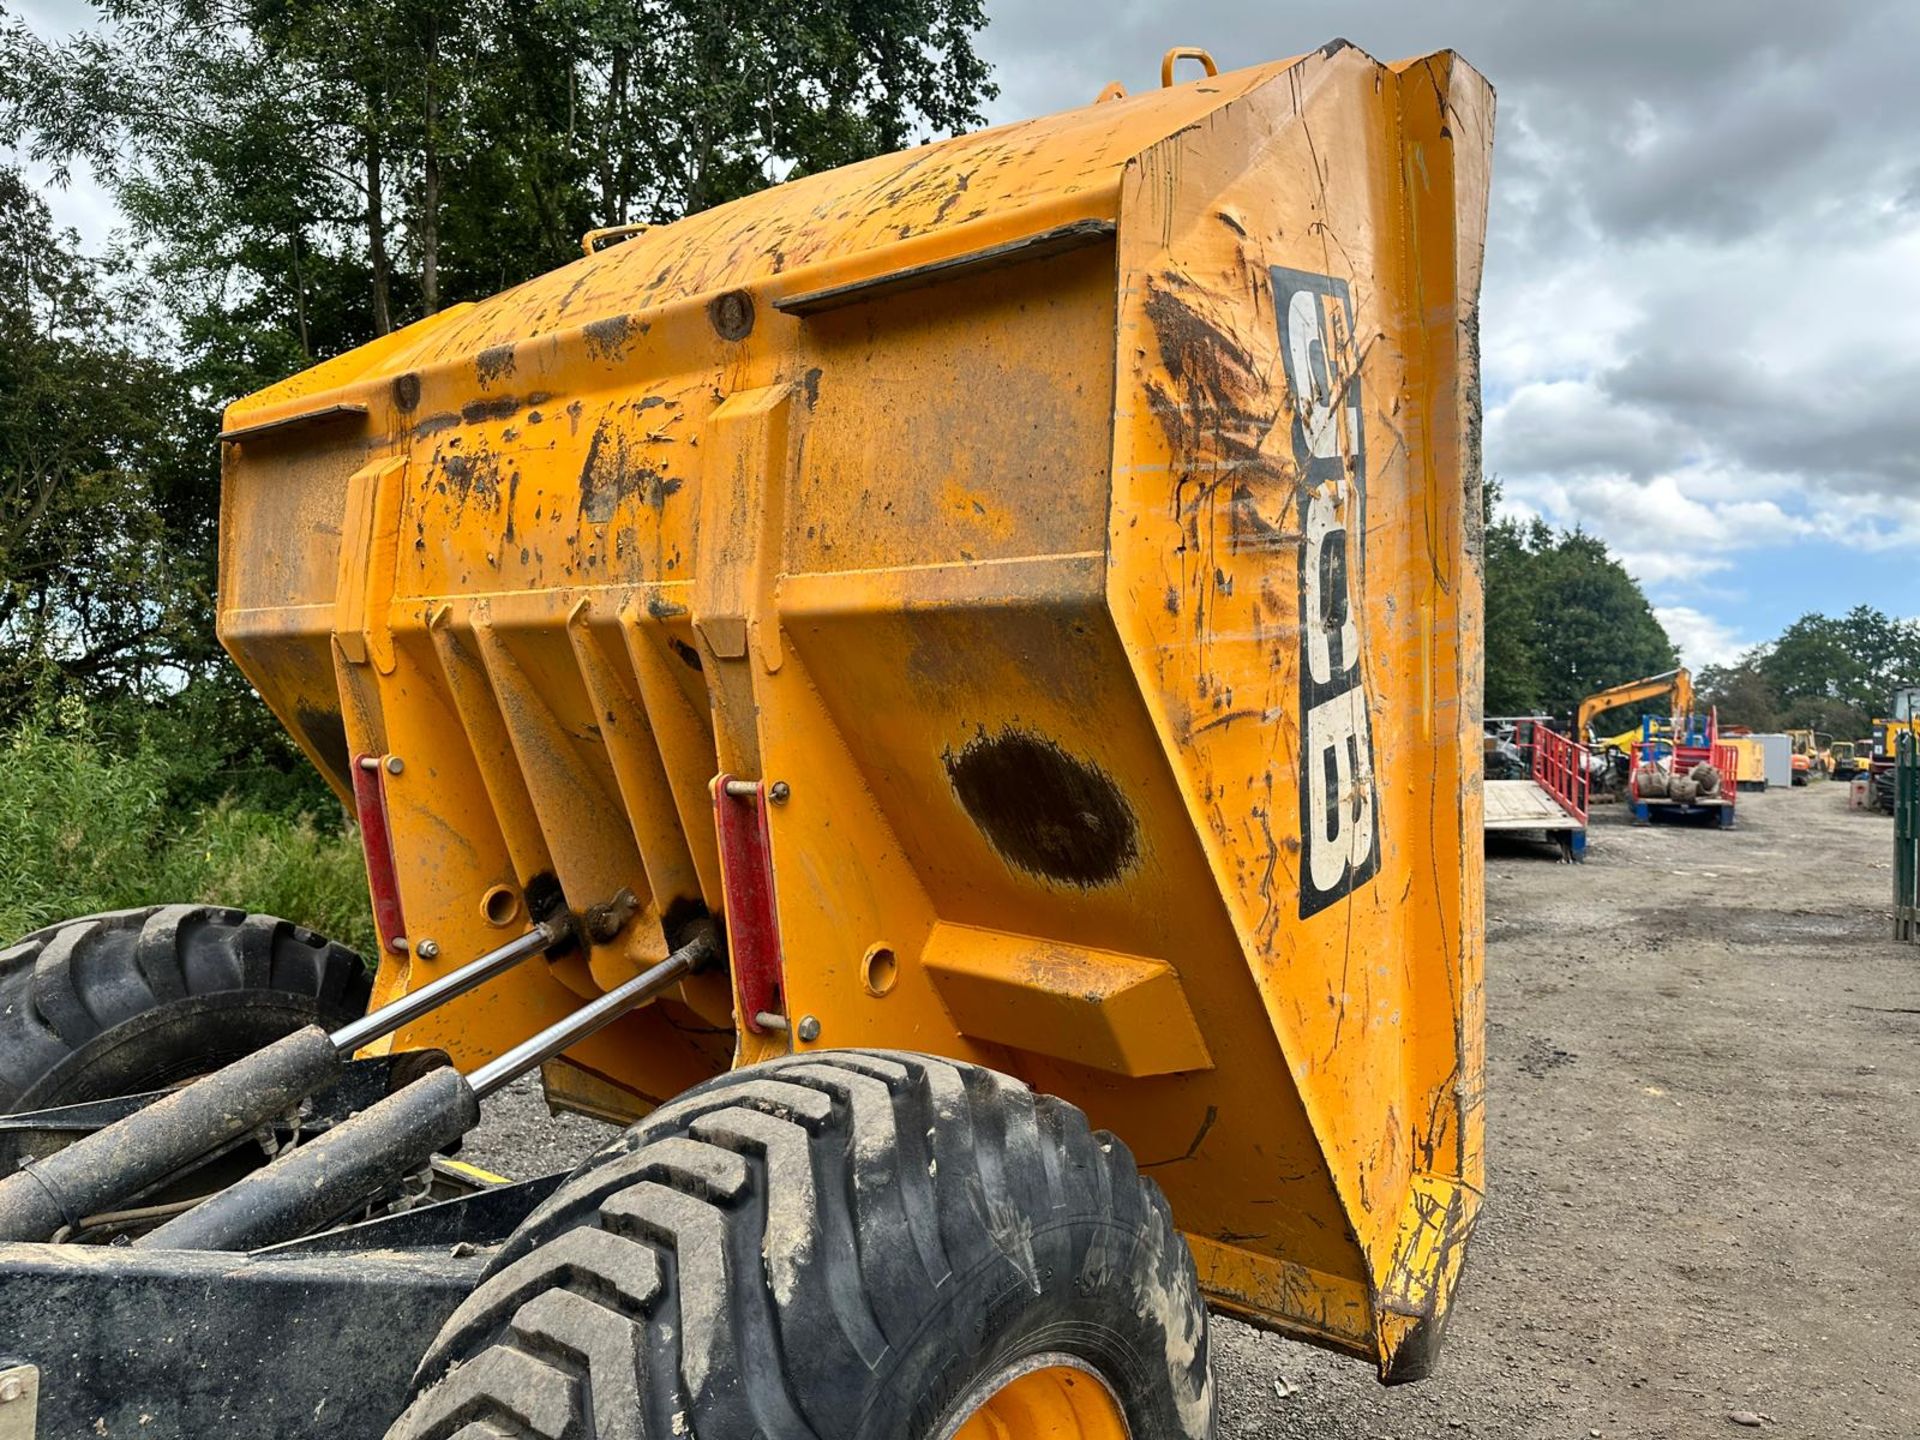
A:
90	822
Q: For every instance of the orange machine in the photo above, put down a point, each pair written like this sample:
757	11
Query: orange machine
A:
1027	588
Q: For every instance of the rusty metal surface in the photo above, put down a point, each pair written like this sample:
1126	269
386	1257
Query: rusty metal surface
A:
1109	611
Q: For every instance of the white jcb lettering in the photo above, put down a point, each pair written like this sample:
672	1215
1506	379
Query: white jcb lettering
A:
1339	763
1329	601
1340	815
1314	385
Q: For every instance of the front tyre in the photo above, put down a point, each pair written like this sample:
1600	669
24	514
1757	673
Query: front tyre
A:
848	1245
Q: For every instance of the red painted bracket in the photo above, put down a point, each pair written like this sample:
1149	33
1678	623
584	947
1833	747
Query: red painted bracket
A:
746	875
376	842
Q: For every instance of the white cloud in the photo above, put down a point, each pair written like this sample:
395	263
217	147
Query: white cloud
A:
1702	640
1661	533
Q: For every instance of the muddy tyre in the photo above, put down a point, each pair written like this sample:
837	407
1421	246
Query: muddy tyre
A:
136	999
849	1245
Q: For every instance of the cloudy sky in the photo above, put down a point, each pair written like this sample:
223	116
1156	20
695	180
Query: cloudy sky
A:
1701	317
1703	273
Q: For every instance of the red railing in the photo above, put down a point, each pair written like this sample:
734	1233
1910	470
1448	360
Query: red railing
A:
1560	768
1726	760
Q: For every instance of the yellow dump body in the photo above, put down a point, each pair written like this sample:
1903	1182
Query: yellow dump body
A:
1079	518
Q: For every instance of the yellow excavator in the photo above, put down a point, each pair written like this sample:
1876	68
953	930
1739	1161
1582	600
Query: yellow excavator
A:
1883	746
1677	682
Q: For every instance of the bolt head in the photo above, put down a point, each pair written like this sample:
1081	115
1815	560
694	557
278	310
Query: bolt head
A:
809	1030
395	764
779	792
427	949
11	1389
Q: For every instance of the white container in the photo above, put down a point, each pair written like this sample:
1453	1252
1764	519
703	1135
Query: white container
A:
1777	751
1859	792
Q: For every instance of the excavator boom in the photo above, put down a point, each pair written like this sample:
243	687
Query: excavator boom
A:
1677	682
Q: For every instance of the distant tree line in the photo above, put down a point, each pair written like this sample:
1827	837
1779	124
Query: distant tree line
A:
1825	672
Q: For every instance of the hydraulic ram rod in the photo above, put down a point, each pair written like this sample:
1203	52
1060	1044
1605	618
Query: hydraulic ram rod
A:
99	1170
429	997
336	1173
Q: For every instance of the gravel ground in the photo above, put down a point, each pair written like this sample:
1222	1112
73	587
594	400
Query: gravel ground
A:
1704	1108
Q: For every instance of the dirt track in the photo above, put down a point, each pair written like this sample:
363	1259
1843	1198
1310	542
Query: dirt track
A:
1704	1118
1704	1101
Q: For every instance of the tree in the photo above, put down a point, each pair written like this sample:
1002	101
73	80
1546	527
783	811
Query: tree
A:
1816	657
1564	619
1742	694
1825	673
1593	623
98	583
332	168
1513	684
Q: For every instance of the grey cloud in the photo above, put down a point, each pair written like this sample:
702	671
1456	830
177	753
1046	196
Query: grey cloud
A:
1709	162
1722	178
1572	430
1692	384
1853	428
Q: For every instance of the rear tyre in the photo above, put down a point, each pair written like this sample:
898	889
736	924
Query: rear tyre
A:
849	1245
133	1000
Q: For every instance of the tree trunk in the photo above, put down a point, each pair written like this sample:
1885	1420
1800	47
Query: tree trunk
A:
430	181
300	298
613	199
377	229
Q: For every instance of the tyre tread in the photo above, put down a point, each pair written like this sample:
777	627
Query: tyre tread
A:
65	985
804	1218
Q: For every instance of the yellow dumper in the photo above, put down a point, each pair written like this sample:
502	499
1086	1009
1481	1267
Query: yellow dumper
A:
980	638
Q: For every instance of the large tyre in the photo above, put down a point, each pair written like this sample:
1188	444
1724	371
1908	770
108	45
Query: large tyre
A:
849	1245
136	999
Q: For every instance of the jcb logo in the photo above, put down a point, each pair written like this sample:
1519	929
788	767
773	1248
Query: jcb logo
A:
1339	826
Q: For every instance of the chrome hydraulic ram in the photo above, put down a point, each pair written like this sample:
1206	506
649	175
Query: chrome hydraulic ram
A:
333	1175
122	1159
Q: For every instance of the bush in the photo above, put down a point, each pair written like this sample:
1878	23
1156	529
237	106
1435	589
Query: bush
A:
283	865
92	823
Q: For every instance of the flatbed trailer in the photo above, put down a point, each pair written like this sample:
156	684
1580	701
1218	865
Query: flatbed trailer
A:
1552	801
1689	741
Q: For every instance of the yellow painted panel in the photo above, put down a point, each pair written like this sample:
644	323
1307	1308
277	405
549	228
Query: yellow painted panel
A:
1077	522
1115	1012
